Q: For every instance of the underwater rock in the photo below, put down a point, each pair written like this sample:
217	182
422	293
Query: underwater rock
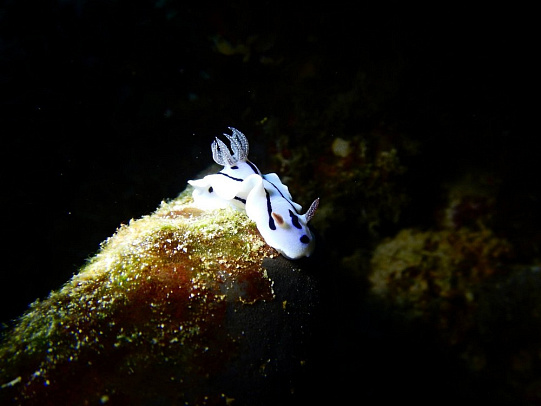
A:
460	287
436	276
180	307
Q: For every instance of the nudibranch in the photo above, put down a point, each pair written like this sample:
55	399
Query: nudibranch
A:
264	198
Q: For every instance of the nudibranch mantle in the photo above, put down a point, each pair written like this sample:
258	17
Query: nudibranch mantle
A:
264	198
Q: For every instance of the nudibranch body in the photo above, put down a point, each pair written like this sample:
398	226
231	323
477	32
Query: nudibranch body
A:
265	198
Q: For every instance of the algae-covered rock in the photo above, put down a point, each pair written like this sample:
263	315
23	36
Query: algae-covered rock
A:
435	276
176	308
461	287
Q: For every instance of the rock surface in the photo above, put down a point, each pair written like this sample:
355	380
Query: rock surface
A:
179	307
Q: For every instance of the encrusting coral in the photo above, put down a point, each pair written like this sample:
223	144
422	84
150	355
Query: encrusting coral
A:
169	306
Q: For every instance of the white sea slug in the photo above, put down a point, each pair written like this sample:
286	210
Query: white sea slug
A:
265	198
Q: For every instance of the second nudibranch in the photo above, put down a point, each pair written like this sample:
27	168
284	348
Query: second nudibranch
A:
265	198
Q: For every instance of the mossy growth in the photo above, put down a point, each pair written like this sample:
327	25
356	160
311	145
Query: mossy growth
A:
436	276
143	318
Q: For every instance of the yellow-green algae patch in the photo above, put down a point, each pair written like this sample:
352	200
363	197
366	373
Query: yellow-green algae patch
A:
436	275
151	303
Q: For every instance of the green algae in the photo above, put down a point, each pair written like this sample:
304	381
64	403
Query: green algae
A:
153	302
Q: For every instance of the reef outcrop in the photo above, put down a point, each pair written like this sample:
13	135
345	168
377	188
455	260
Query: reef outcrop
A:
179	307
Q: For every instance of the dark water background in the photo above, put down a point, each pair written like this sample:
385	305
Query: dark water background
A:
108	107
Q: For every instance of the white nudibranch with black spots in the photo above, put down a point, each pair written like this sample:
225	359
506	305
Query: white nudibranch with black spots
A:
265	198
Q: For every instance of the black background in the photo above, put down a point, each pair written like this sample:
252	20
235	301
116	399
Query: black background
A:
108	107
